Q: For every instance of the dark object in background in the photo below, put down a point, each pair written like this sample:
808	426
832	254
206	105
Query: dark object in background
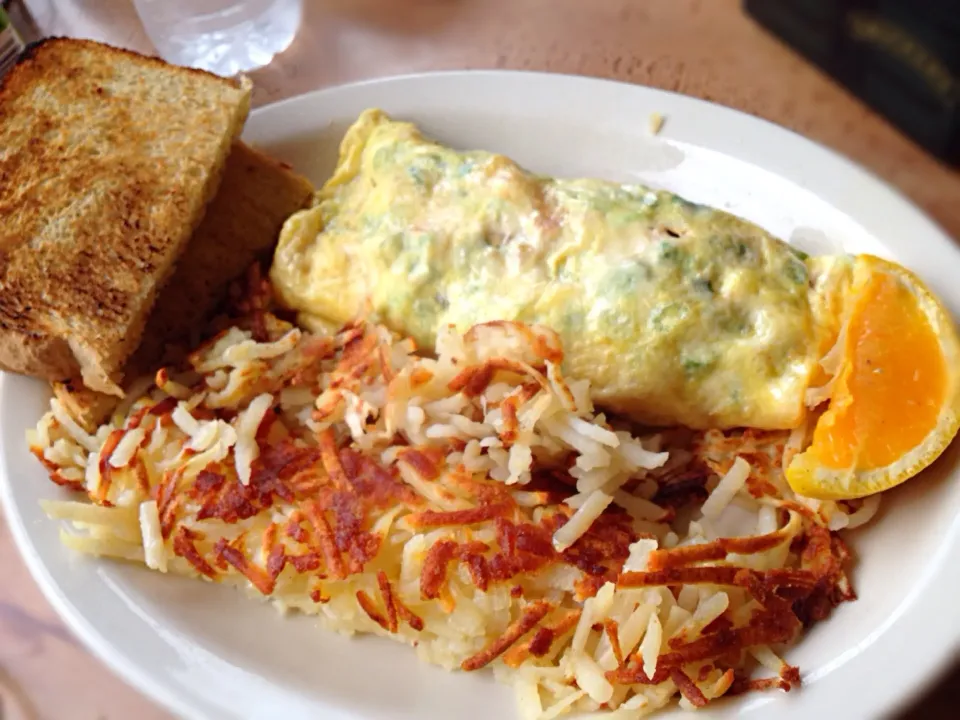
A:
902	57
22	20
11	44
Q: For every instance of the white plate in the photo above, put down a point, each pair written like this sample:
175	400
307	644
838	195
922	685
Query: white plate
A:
206	651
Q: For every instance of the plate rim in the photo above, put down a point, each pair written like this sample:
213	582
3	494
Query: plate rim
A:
925	668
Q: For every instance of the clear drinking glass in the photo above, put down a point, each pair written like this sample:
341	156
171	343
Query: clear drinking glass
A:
223	36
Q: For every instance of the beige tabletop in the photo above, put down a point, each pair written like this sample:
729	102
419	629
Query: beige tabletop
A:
706	48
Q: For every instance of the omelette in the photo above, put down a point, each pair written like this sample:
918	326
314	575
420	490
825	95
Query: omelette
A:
677	313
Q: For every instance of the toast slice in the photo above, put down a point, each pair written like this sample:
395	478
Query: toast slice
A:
107	162
241	225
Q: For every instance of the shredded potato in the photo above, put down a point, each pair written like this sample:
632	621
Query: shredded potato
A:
472	505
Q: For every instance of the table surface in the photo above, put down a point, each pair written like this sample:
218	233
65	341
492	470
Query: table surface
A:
705	48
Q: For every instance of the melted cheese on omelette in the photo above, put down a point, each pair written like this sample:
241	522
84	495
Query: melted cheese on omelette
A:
677	313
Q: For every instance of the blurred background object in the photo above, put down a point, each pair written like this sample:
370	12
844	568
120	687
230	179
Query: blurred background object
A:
93	19
900	56
11	43
223	36
23	17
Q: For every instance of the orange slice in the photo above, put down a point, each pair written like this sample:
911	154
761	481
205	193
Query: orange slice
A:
895	402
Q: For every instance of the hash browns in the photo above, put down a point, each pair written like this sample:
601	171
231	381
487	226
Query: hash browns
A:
472	505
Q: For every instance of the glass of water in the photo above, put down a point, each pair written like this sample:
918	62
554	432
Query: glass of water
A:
223	36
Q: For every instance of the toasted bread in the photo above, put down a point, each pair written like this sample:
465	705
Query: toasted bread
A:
107	162
241	225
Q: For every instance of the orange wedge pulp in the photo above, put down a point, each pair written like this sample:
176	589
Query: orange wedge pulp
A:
895	402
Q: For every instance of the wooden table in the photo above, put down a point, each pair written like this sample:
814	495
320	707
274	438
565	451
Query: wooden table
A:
706	48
